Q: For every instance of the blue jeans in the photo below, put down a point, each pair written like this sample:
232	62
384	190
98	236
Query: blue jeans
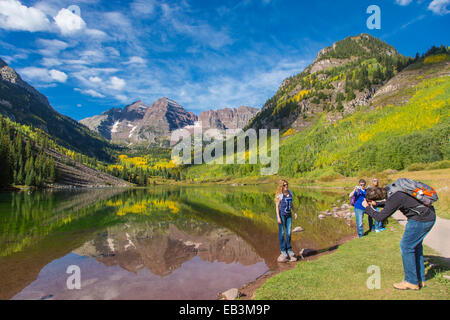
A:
412	250
378	225
359	214
284	229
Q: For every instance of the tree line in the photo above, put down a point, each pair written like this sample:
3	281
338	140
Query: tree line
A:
23	161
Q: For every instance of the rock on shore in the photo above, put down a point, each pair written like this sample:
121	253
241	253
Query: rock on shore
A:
231	294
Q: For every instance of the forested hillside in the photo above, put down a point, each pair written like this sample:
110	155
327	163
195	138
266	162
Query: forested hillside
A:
342	78
23	162
24	104
31	157
404	124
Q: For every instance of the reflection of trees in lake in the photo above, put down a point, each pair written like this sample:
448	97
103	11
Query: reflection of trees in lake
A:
32	217
157	228
245	212
252	204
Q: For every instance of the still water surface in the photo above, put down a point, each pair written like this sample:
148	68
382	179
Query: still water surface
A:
155	243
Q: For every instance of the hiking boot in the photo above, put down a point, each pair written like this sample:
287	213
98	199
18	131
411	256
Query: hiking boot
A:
283	257
405	286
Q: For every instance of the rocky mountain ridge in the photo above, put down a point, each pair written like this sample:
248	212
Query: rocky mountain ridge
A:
342	78
140	123
22	103
227	118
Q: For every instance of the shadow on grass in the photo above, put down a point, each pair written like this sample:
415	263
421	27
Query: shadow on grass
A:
436	265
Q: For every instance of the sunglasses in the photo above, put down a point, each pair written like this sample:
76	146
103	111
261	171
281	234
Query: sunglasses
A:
285	185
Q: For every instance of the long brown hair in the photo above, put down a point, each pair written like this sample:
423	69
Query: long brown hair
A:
280	188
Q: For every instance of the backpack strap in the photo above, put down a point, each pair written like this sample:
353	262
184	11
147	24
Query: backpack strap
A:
418	212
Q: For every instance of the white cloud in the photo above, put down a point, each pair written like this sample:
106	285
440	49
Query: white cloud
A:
15	16
439	6
201	32
90	92
51	47
51	62
94	93
93	55
16	57
136	60
43	75
95	79
403	2
122	98
117	83
95	33
68	22
58	75
142	7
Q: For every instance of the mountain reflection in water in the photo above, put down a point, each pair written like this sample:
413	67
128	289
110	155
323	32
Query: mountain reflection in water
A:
156	243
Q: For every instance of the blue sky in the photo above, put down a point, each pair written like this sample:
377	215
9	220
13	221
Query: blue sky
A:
204	54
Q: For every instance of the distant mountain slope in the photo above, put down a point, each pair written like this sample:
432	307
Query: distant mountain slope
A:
117	124
406	122
139	123
162	117
227	118
75	174
24	104
342	77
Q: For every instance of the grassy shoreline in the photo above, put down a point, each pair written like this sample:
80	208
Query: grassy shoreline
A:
344	274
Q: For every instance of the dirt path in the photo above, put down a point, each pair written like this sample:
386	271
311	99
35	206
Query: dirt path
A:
439	237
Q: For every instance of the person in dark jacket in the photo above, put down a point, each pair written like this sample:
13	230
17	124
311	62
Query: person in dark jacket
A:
421	220
378	226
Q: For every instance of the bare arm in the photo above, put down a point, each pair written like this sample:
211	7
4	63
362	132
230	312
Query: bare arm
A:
277	204
294	211
353	192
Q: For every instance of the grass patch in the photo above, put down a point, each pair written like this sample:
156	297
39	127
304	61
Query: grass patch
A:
343	274
444	164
